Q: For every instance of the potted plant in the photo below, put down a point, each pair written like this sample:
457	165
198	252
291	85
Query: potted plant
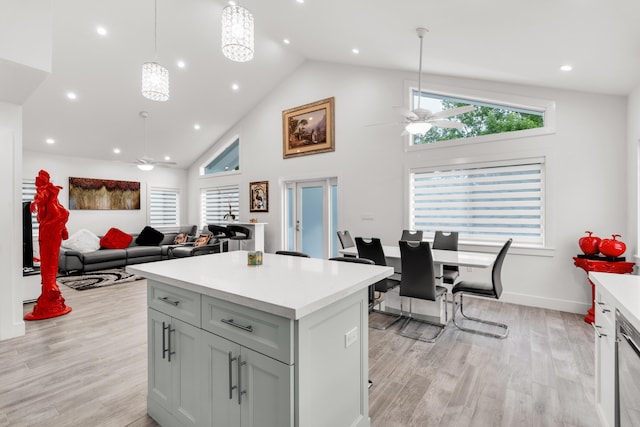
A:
229	216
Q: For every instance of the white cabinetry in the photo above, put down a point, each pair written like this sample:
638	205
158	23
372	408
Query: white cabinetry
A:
604	326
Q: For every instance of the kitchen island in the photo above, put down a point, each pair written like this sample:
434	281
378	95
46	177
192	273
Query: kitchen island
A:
281	344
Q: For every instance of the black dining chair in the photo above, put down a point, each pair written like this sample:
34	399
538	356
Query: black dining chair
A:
447	241
293	253
482	289
411	235
346	241
419	282
372	249
359	261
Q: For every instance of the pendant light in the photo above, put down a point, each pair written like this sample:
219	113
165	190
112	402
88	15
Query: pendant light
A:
155	78
237	33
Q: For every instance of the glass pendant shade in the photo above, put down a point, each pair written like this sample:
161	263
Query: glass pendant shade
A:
418	128
145	167
237	33
155	82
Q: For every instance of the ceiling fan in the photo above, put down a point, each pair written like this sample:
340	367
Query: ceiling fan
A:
146	163
420	120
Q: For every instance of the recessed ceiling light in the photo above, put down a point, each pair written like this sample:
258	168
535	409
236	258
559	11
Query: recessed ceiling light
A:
72	95
116	150
181	64
235	86
50	141
196	126
167	158
355	50
101	30
566	67
286	41
300	1
232	3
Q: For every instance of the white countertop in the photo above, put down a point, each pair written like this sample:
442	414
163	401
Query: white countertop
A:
287	286
462	258
625	290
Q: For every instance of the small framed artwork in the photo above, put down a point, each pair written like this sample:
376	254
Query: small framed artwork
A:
308	129
259	196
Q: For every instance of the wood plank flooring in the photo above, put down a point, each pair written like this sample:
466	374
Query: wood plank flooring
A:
89	368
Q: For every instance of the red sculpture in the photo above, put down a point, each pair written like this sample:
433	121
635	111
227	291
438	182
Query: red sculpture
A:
52	217
612	247
589	244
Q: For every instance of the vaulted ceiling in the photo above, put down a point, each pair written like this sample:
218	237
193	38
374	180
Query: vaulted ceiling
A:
503	40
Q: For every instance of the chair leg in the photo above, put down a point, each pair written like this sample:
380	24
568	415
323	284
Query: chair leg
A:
405	325
475	319
392	321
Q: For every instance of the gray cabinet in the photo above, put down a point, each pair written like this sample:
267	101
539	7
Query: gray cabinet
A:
244	388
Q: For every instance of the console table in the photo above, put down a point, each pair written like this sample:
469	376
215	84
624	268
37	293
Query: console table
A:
282	344
603	266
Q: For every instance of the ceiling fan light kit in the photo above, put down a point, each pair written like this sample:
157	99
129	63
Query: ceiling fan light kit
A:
155	78
145	167
237	33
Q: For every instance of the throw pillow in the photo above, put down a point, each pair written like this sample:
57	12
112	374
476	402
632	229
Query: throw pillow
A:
82	241
180	239
115	239
149	236
202	240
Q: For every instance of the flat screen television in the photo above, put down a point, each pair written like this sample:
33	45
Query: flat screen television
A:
27	237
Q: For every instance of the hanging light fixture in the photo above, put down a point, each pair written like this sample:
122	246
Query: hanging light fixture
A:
155	78
237	33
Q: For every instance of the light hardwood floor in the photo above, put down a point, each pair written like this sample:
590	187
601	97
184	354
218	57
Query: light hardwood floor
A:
88	368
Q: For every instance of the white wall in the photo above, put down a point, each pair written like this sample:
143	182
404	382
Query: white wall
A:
633	172
132	221
586	168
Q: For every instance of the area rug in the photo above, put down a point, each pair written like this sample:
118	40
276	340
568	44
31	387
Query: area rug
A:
97	279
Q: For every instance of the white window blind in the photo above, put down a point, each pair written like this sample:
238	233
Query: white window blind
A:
215	203
164	207
483	204
28	192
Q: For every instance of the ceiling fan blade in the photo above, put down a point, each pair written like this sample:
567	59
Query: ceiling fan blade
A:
447	124
406	113
453	112
165	163
383	124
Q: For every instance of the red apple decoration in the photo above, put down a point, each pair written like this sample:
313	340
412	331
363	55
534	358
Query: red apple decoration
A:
589	244
612	247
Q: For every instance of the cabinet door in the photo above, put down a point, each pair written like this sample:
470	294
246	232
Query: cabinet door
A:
605	360
185	358
219	391
266	391
159	368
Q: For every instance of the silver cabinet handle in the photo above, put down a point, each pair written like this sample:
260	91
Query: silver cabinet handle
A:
247	328
240	393
602	307
169	352
164	340
169	301
597	329
231	387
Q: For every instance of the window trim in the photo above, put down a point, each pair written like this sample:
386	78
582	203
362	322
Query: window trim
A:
217	153
548	107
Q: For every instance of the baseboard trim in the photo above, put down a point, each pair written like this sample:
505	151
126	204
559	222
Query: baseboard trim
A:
548	303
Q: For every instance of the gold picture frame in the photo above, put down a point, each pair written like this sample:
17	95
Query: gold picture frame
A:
309	129
259	196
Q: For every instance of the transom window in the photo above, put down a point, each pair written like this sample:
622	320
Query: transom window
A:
216	204
484	203
163	207
487	119
226	161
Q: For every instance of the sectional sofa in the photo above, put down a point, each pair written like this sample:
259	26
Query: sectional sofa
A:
78	261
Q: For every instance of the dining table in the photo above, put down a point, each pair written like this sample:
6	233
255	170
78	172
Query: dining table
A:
421	308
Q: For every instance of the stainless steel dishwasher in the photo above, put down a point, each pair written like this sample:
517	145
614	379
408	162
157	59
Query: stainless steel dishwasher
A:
627	373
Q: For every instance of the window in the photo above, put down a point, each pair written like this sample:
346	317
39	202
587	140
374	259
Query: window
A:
28	193
216	203
483	203
226	161
489	118
163	207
